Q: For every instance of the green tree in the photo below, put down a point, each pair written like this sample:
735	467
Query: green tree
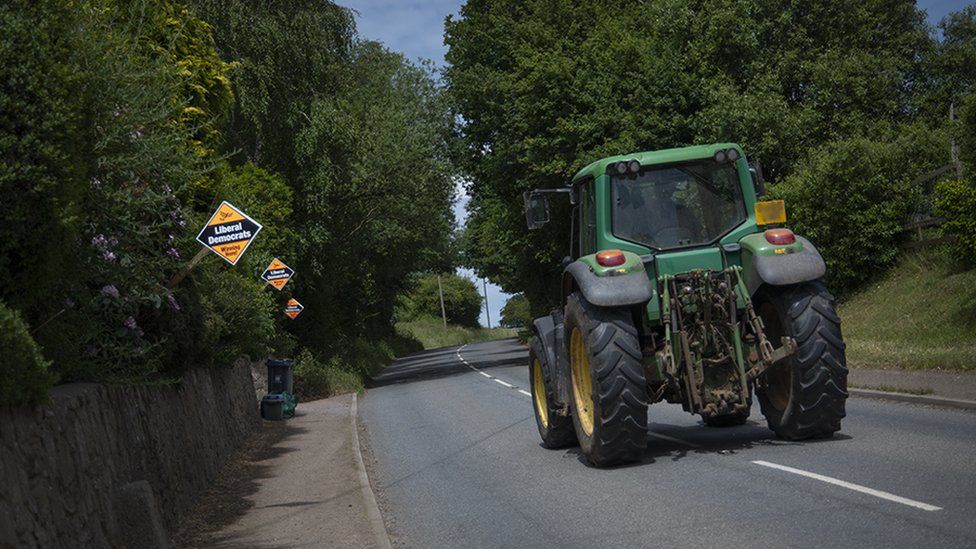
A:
516	313
362	137
546	87
462	302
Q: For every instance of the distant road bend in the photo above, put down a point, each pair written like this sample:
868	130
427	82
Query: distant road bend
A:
459	463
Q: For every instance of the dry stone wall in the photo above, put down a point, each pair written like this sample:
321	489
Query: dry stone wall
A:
115	466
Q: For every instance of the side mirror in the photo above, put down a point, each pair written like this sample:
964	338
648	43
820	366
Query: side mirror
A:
755	168
536	209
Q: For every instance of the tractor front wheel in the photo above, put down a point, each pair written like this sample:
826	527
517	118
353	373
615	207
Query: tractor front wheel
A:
803	396
555	429
609	392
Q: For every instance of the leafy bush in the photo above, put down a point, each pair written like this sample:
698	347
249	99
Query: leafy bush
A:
852	197
956	201
314	379
462	301
24	374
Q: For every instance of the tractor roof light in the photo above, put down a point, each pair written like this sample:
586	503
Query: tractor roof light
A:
633	166
780	237
726	155
621	168
611	258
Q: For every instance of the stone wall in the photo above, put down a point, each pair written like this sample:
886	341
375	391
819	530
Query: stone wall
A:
109	466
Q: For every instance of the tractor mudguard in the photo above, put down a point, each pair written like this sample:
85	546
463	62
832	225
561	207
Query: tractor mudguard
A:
549	330
619	286
765	263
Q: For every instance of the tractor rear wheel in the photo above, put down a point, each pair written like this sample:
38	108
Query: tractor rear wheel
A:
804	395
609	392
556	430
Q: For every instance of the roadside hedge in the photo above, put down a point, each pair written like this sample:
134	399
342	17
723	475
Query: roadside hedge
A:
25	376
852	198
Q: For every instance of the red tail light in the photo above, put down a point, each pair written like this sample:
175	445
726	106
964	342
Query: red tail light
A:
780	237
611	258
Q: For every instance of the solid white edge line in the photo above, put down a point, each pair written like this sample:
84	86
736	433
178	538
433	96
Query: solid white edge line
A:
672	439
500	382
851	486
484	374
524	392
380	536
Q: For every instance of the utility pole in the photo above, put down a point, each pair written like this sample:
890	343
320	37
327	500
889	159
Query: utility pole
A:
440	291
484	285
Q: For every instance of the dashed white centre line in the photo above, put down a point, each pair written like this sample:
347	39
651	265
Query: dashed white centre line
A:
489	376
851	486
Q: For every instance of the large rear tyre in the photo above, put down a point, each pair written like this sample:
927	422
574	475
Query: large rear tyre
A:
556	430
609	393
804	396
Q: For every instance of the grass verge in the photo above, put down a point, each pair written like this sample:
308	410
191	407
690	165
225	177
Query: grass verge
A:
921	315
431	333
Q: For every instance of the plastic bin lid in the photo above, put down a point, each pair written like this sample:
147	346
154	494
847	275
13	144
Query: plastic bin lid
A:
280	362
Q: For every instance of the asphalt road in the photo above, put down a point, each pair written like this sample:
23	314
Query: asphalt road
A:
459	464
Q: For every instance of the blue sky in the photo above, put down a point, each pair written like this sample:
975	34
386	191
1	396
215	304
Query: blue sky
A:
416	29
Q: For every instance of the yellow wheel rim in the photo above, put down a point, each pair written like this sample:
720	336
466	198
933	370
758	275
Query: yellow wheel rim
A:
582	383
539	393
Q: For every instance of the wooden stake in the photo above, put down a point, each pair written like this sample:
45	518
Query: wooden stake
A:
186	270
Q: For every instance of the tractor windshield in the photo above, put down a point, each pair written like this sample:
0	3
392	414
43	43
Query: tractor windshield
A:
678	205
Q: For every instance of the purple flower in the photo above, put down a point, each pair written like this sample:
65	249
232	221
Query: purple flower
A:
171	299
130	323
109	290
108	256
68	303
173	253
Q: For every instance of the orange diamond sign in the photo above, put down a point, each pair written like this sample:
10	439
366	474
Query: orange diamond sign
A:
294	308
229	232
277	274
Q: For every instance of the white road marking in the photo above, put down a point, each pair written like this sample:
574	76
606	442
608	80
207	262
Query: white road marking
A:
851	486
672	439
495	379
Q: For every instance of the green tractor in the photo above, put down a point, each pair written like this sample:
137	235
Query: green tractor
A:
682	288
